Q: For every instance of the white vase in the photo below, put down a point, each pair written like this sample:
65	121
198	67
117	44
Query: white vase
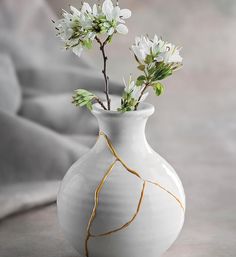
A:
121	199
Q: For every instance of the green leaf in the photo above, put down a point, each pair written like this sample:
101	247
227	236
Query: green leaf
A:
89	106
136	58
139	83
82	98
152	70
128	103
165	74
149	59
83	103
163	70
88	44
158	88
141	78
141	67
110	39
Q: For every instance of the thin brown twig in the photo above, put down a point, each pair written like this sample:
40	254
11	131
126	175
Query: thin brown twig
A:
104	71
101	103
142	92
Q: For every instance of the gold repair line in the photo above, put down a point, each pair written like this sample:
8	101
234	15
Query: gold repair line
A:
129	222
100	186
130	170
175	197
111	147
96	201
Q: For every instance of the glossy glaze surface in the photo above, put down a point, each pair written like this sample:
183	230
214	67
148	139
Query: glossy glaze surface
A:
121	199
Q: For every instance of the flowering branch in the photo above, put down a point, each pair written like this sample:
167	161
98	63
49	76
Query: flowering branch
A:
104	71
156	59
79	28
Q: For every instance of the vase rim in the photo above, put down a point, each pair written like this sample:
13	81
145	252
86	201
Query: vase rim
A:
144	109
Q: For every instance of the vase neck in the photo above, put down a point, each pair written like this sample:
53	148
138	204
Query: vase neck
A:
125	129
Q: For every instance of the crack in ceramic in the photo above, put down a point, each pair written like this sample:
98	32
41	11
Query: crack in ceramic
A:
100	186
130	221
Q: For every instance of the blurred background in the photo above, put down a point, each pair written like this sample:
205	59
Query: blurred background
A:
42	134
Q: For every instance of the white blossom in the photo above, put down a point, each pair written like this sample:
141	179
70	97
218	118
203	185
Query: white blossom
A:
116	17
171	55
78	28
161	51
134	90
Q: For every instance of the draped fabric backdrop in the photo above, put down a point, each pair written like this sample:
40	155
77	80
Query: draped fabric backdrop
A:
42	134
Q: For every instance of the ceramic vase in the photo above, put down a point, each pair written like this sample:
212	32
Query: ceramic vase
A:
121	199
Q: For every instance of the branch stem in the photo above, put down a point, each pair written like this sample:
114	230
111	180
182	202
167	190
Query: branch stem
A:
101	103
104	71
140	97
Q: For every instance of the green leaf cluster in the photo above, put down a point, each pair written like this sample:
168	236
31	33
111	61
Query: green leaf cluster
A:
83	97
162	71
153	72
128	103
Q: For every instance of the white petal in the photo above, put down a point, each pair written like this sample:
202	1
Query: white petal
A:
156	40
132	85
137	51
116	13
136	92
67	16
74	10
91	35
95	10
122	29
125	13
110	31
175	58
124	82
77	50
107	6
137	40
120	20
109	15
159	59
86	8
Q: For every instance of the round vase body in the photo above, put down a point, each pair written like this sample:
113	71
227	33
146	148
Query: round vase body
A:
121	199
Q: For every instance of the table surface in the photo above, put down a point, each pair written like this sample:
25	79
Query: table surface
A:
37	234
193	128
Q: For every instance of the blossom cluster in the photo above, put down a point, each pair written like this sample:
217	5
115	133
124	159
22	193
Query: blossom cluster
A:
78	28
156	49
157	60
132	96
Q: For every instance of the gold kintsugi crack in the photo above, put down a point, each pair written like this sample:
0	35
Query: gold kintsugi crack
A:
167	191
96	199
129	222
100	186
